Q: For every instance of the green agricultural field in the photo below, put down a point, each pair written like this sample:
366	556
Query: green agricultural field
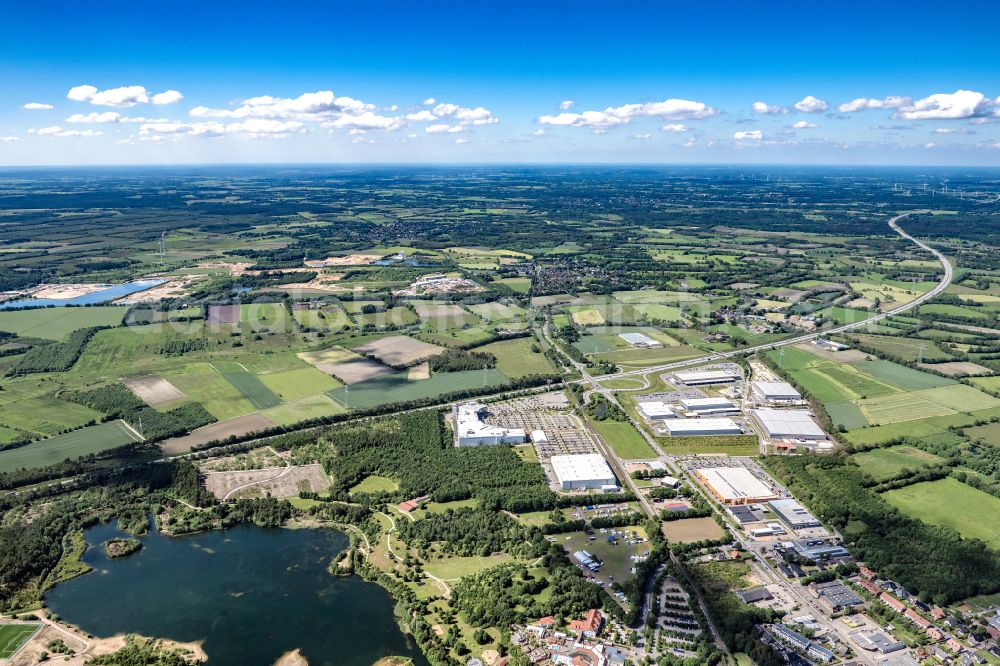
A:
70	445
376	484
908	349
520	285
987	383
22	408
515	358
201	382
498	311
13	636
950	503
989	433
396	387
585	315
659	311
397	316
310	407
639	358
624	439
253	388
57	323
294	384
887	463
734	445
846	414
453	568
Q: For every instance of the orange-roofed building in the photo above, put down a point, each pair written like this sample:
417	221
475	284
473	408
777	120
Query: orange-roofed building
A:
892	602
916	618
866	572
589	626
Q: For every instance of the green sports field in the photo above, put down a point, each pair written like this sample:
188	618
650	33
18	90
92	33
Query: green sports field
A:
57	323
13	636
82	442
950	503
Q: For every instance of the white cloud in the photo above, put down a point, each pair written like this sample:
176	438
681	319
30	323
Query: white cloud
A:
538	132
748	135
669	109
364	121
864	103
95	117
690	143
768	109
117	97
452	117
9	139
167	97
930	145
676	128
37	106
952	130
321	105
460	141
642	137
430	101
802	124
55	130
996	145
810	104
566	104
249	128
944	106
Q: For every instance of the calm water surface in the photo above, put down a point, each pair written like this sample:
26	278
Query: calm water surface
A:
102	296
251	594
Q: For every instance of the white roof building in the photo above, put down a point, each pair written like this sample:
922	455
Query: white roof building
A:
735	485
655	409
702	377
716	426
539	437
788	424
472	430
775	392
794	514
640	340
707	404
590	470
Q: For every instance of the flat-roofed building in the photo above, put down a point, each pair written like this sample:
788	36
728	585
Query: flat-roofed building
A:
705	377
775	392
539	437
655	410
589	470
706	426
735	485
708	405
640	340
472	430
794	514
788	424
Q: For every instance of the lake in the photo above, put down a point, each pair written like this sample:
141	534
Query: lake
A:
112	292
250	594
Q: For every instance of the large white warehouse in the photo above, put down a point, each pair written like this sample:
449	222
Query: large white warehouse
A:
735	485
775	392
655	409
703	405
472	430
703	377
788	424
582	471
718	426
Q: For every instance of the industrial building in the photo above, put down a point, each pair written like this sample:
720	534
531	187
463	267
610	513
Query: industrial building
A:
705	377
707	426
817	550
655	410
640	340
794	514
583	471
788	424
472	430
698	406
670	482
735	485
775	392
835	595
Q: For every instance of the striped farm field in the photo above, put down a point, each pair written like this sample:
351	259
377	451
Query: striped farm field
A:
255	390
70	445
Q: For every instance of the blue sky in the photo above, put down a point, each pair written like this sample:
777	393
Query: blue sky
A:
185	82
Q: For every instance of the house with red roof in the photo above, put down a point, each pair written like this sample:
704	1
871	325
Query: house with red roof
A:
590	626
892	602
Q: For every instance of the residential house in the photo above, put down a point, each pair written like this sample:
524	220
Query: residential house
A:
590	626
